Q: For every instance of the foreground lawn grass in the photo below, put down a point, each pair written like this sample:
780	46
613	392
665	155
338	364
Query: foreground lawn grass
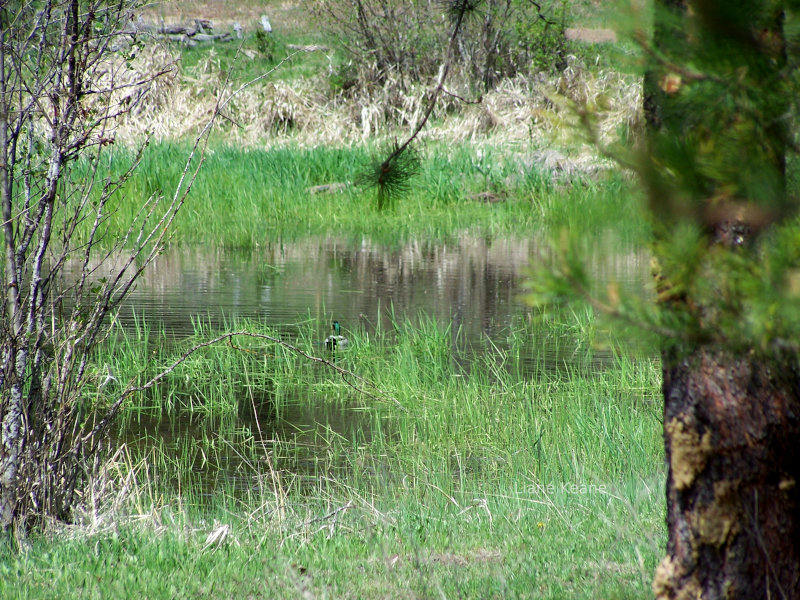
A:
487	481
568	547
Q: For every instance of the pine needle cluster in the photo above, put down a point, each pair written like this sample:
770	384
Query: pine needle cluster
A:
455	8
390	175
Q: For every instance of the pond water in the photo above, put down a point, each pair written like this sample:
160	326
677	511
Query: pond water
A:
474	284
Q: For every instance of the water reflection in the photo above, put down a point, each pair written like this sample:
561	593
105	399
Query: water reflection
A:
241	453
473	284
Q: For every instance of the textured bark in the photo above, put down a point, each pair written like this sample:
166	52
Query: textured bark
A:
11	411
731	427
716	110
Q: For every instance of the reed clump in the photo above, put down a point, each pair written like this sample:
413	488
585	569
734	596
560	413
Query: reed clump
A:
246	198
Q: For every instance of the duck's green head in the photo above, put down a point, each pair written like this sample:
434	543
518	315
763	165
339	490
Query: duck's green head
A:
336	328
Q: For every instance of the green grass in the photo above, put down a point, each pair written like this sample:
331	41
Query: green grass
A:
241	61
243	197
488	477
421	548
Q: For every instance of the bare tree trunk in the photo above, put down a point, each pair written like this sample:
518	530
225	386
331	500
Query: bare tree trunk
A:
11	415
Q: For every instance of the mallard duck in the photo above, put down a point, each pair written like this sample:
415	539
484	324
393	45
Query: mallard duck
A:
337	340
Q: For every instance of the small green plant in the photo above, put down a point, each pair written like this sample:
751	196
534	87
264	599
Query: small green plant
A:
343	77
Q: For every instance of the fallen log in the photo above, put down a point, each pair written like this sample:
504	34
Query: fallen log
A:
211	37
199	32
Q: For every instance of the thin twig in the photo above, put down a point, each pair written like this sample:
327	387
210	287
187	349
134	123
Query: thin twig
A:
540	14
461	98
343	372
445	68
333	513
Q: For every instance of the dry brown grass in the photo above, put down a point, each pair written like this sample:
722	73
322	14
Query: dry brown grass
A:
538	111
529	111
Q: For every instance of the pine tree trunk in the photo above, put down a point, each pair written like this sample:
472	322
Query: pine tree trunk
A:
731	431
716	106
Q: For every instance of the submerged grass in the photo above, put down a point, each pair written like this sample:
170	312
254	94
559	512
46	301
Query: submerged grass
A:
488	474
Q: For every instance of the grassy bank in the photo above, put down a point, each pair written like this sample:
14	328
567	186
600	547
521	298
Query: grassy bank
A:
243	197
503	476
